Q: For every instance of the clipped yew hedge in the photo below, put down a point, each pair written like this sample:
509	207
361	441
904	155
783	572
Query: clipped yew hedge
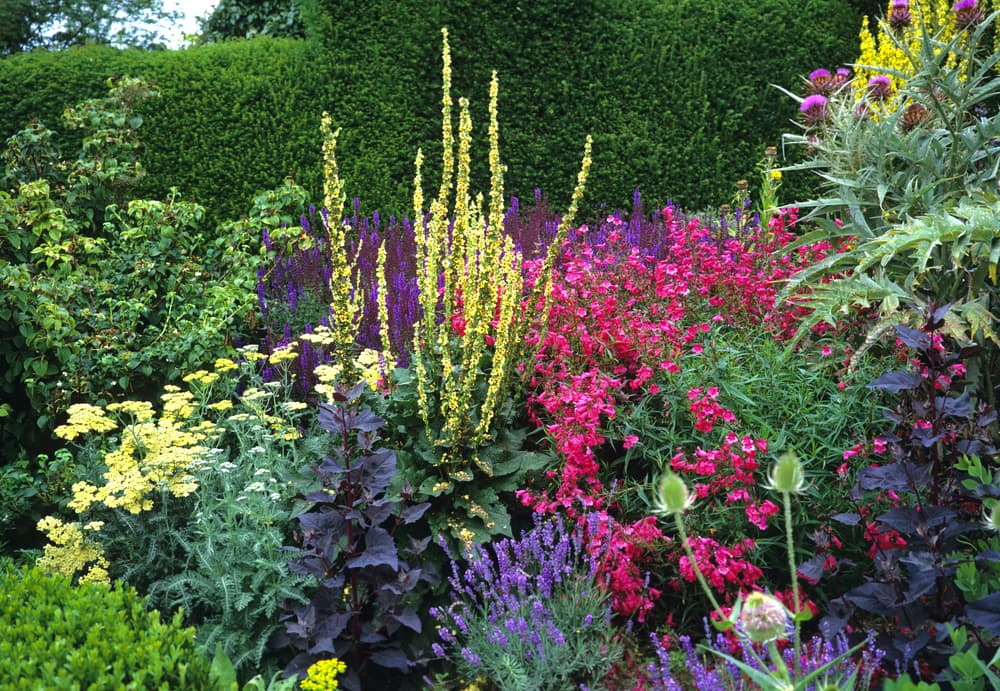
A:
232	119
677	95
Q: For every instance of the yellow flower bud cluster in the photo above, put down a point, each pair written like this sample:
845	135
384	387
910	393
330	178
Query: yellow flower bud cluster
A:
346	298
322	675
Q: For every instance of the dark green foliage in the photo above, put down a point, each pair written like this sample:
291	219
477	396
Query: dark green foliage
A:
57	636
676	94
233	118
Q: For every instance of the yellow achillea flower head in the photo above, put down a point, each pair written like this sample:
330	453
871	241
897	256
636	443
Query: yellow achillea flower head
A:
225	365
71	552
322	675
83	419
140	410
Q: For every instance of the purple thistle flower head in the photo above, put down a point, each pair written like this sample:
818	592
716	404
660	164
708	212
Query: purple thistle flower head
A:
821	82
967	14
814	109
899	15
879	87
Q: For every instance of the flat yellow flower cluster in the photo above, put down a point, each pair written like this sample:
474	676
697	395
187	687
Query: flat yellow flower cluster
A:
70	551
322	675
151	454
84	419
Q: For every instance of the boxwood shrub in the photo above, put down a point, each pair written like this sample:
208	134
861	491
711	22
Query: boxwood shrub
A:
93	635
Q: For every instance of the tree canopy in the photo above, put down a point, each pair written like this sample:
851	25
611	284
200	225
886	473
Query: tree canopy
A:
56	24
233	19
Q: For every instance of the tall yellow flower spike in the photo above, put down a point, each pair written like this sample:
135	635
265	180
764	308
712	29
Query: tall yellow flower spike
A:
346	299
481	272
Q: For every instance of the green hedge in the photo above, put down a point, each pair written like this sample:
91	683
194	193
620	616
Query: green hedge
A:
677	95
234	118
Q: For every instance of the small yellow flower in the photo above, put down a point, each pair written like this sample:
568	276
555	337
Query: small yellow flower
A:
224	365
221	405
322	675
775	175
283	354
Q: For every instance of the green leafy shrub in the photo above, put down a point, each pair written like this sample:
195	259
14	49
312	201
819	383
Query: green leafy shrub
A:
101	295
60	636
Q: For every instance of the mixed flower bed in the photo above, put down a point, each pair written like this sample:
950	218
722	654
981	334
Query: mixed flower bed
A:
490	447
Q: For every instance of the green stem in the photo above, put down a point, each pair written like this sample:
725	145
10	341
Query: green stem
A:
796	604
694	564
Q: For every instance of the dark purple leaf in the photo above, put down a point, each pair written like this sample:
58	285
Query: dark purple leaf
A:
365	421
379	469
838	612
985	613
812	569
393	658
988	555
847	518
408	618
378	511
937	316
380	550
907	519
332	418
893	416
369	634
877	598
899	477
926	436
411	514
914	338
327	630
896	381
923	576
320	497
322	523
960	406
